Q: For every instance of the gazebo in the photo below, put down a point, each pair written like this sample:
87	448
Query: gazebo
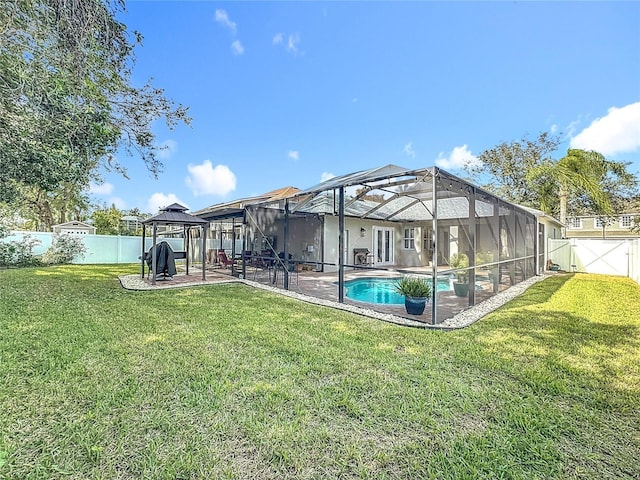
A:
174	214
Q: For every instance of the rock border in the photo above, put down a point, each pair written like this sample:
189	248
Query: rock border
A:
461	320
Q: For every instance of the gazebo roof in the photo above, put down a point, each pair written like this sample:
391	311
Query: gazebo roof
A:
175	214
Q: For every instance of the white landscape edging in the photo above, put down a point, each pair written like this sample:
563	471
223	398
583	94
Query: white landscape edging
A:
461	320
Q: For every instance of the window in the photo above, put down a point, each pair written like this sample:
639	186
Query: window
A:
574	223
626	221
409	238
599	223
426	239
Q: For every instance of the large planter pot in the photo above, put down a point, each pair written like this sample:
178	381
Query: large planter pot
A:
461	289
415	305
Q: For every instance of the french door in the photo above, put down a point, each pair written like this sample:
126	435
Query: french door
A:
383	245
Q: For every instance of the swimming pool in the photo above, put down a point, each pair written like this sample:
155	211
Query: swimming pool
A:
382	290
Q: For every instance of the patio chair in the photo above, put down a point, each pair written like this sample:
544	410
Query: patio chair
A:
224	260
247	257
260	262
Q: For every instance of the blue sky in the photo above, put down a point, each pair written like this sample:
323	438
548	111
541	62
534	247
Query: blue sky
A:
290	93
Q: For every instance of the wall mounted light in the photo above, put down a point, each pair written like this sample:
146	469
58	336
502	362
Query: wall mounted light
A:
363	231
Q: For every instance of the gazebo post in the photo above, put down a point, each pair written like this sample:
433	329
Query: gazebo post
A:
221	233
204	248
185	242
154	260
144	228
233	246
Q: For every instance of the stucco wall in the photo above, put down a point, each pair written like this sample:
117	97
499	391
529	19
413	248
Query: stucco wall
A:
416	256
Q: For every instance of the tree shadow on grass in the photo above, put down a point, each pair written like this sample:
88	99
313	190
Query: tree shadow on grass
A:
540	292
556	352
531	340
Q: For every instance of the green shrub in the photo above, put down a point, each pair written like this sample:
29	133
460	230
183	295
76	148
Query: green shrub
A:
16	253
460	260
64	249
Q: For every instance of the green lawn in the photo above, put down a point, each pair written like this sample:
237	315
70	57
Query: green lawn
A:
229	382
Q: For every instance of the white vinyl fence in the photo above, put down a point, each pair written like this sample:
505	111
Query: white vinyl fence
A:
120	249
590	255
100	248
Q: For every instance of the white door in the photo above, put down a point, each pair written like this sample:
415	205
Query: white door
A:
383	246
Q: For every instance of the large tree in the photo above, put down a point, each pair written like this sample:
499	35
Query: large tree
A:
107	220
67	102
46	208
503	169
581	182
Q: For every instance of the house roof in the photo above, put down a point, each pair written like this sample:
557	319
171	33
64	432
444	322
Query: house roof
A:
371	176
541	214
403	208
280	193
387	193
394	193
235	208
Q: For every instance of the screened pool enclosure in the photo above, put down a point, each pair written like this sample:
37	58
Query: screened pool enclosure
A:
366	229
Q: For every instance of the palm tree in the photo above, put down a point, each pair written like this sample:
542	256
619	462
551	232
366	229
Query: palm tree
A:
580	172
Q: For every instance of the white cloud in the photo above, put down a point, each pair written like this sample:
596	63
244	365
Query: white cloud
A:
617	132
292	44
166	149
223	19
553	129
459	157
104	189
160	200
294	154
237	48
205	179
408	150
326	176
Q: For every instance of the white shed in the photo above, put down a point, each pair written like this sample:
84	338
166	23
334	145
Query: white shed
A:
74	228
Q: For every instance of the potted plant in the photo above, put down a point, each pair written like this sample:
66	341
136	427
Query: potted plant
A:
484	259
461	283
416	291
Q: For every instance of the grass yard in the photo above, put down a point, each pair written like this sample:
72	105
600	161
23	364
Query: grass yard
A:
229	382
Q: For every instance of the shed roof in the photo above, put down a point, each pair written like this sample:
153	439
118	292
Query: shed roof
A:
74	223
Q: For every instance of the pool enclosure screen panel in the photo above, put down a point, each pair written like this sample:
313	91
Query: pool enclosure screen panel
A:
393	222
487	247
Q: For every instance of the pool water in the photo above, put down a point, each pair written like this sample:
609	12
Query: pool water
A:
382	290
